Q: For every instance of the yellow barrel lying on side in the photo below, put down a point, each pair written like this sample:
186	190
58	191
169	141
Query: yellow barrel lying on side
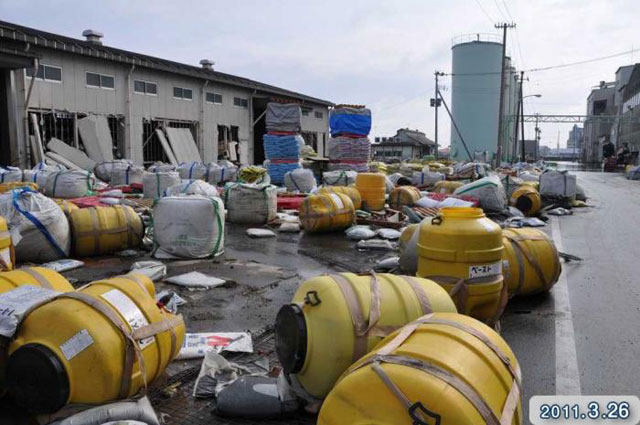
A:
67	207
443	368
105	230
35	276
7	252
461	249
447	187
403	195
350	191
526	199
5	187
101	343
533	184
372	188
533	261
334	320
327	213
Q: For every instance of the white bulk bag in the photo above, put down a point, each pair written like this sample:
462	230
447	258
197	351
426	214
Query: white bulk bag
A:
192	187
488	190
10	174
426	178
103	170
154	184
193	170
339	178
44	166
222	172
127	176
161	167
528	176
557	184
300	180
70	184
38	177
188	227
249	203
39	229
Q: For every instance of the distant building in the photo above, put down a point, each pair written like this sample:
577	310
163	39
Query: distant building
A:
531	151
576	136
629	132
601	101
405	145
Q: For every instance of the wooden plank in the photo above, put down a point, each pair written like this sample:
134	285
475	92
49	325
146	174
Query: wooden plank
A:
166	147
36	140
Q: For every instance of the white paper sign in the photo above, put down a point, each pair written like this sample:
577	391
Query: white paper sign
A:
485	270
197	344
76	344
130	311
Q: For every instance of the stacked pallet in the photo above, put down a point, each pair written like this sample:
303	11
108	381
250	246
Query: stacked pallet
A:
349	147
283	141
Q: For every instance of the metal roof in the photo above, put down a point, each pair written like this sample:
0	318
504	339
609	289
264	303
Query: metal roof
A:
37	38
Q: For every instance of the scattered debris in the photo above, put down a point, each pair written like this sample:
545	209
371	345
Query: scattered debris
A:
377	244
359	233
195	281
391	234
63	265
559	211
260	233
197	344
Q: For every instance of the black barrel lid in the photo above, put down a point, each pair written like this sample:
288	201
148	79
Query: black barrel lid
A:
36	379
291	338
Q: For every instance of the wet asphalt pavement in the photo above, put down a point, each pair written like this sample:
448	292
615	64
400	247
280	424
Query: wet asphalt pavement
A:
603	290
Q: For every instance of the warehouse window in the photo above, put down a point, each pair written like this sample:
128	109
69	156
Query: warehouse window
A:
181	93
100	80
214	98
319	115
145	87
241	102
305	113
46	72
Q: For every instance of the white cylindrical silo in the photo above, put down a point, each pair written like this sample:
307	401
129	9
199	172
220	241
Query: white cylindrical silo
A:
475	94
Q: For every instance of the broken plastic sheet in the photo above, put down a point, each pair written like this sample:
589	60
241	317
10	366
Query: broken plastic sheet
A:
154	270
216	373
427	202
518	222
195	345
258	397
195	281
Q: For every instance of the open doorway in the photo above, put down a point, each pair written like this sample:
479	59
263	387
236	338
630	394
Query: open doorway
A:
259	129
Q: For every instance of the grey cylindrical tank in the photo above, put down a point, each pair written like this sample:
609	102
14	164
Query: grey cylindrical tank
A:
475	94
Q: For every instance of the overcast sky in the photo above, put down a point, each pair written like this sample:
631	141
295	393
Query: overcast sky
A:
379	53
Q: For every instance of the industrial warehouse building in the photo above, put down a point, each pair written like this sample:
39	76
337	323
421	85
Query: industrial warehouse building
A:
62	79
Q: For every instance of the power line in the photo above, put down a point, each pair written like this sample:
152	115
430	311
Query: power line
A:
484	11
507	9
547	68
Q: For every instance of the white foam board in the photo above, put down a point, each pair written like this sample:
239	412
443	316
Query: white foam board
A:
71	154
96	137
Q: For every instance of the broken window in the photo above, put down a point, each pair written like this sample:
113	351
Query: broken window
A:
100	80
214	98
241	102
599	107
46	72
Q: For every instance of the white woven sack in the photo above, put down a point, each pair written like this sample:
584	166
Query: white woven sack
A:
252	204
70	184
154	184
127	176
188	226
29	238
300	180
10	174
192	187
103	170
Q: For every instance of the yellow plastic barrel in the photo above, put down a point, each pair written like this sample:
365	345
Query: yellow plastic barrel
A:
334	320
533	261
526	199
5	187
101	343
447	187
7	252
350	191
403	195
105	230
67	207
533	184
443	368
461	249
372	190
35	276
326	213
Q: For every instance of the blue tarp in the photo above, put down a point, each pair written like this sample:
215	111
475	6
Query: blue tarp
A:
281	147
350	120
277	171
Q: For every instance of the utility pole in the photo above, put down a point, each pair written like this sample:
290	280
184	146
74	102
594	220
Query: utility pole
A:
537	137
435	103
523	155
504	27
515	142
